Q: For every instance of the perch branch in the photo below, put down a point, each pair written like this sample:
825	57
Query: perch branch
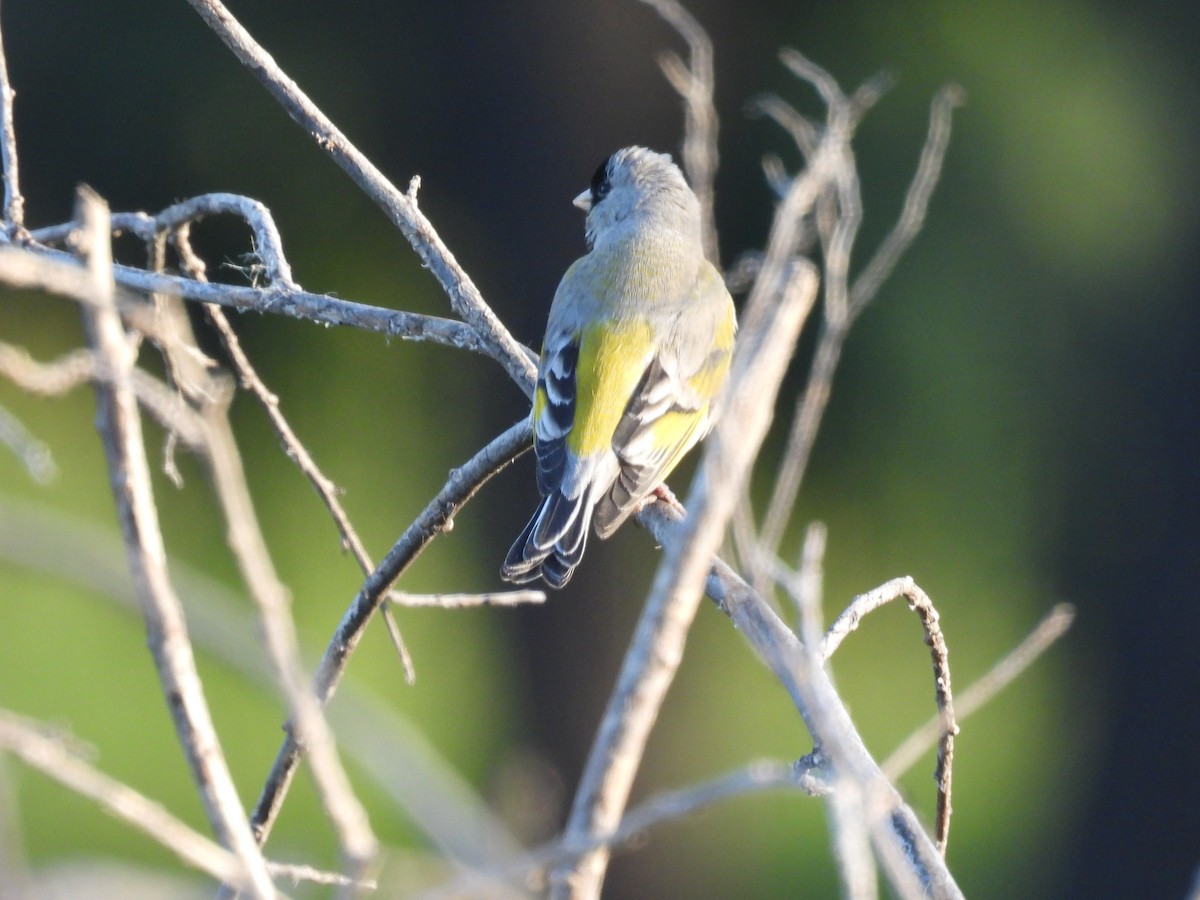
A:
121	433
759	361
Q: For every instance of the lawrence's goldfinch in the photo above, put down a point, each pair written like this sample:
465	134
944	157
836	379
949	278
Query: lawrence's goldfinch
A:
637	346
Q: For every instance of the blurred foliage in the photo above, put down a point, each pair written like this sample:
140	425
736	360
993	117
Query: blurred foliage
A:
1014	423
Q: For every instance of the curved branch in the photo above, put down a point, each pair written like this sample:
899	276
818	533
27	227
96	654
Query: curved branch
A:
400	207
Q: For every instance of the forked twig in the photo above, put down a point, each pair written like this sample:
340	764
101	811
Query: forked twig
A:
810	407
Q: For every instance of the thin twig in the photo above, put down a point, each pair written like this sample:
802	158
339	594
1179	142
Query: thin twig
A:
759	361
694	83
919	602
432	521
849	831
461	601
811	406
298	453
669	806
809	584
33	454
43	748
1053	626
129	473
14	203
400	207
268	246
916	200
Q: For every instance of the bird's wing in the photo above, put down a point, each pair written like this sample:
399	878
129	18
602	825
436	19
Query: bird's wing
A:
669	409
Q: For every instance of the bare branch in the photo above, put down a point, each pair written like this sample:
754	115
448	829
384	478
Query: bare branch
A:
32	453
14	203
694	83
916	202
401	208
919	602
759	361
129	473
434	519
248	545
903	847
460	601
843	304
32	743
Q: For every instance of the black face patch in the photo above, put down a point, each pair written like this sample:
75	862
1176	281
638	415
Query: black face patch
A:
600	183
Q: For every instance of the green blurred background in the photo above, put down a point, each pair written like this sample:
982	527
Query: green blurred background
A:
1015	424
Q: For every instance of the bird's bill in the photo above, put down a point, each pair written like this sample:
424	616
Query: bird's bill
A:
584	200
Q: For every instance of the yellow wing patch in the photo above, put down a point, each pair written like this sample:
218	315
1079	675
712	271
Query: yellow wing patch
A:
612	358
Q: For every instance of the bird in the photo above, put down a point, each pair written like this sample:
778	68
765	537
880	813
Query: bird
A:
637	347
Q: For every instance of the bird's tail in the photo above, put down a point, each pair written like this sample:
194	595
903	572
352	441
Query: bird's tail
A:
552	544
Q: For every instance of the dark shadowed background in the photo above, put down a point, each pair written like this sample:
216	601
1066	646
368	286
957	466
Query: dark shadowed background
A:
1015	424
